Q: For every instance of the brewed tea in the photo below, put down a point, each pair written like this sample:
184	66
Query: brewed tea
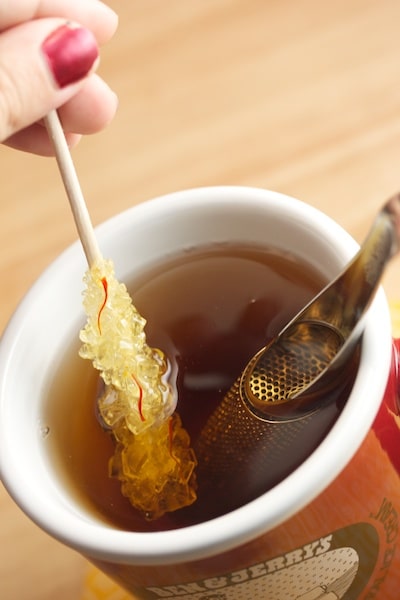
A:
209	310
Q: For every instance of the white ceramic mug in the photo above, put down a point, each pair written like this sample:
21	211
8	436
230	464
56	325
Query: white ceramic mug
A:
327	531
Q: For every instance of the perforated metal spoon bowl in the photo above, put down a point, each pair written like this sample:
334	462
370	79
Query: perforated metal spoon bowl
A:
304	360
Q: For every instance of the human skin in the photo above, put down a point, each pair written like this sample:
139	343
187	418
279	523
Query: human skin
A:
32	83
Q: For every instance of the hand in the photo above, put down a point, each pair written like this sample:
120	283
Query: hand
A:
48	62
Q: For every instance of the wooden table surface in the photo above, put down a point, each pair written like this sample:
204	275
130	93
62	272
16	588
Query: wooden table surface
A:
299	96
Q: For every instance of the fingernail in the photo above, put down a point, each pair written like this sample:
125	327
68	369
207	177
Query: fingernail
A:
70	53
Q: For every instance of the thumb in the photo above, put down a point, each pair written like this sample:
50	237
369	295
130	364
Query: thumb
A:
43	64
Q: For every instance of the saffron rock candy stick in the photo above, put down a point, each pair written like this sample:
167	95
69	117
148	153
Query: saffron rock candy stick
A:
153	459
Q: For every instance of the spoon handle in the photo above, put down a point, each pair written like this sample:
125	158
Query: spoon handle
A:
392	210
359	282
342	303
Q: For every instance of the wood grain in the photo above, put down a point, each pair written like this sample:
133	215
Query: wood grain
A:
300	96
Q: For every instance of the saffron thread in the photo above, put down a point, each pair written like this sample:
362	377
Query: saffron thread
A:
140	400
105	286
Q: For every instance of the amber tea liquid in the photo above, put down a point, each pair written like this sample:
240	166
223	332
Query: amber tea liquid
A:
209	309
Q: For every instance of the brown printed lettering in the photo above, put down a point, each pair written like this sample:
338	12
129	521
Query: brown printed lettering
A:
309	550
325	544
295	557
240	576
258	570
275	564
215	583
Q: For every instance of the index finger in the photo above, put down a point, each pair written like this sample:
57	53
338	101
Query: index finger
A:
93	14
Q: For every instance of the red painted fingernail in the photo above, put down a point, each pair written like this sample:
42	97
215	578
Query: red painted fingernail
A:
71	53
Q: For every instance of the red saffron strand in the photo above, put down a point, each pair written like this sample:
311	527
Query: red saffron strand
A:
105	286
140	401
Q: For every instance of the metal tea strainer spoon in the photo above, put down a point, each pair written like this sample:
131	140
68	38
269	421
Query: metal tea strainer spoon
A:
303	360
291	392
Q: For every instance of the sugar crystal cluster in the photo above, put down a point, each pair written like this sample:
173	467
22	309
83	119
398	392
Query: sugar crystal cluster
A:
155	468
152	459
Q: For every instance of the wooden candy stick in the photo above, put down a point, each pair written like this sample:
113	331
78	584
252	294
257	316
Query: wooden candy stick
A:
72	187
138	402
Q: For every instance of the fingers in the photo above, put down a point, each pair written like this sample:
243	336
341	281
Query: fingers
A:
89	111
35	139
92	14
40	70
44	64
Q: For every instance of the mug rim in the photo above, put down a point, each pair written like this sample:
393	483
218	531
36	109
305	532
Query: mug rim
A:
103	542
